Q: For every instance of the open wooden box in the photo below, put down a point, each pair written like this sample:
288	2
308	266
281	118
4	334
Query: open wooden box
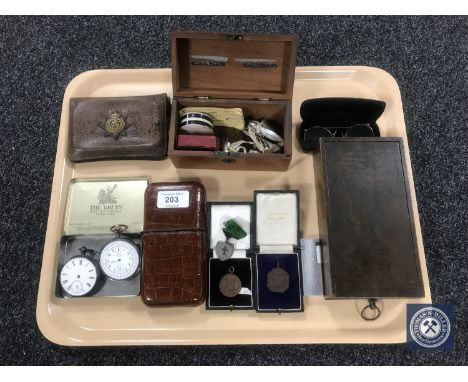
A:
252	71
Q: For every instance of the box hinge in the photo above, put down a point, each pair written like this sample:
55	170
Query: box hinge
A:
234	37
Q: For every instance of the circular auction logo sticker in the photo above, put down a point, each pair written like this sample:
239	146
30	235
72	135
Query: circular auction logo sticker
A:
430	327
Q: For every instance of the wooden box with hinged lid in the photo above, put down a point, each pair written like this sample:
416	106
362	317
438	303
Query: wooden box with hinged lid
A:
366	220
254	72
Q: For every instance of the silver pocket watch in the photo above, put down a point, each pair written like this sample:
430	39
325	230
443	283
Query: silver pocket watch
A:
81	276
119	259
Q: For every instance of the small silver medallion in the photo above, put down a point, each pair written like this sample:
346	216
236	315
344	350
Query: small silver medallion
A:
278	280
230	285
224	250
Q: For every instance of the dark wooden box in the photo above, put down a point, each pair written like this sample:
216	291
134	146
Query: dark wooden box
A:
256	73
366	223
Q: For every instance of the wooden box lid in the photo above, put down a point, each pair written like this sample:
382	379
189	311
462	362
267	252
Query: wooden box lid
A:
370	235
224	65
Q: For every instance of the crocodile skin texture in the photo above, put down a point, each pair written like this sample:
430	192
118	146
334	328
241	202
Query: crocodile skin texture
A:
173	271
142	136
173	268
171	219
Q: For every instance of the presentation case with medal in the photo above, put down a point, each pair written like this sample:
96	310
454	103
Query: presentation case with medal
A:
230	265
278	278
253	72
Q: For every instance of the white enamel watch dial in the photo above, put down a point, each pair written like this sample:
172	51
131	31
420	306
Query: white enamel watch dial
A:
79	276
120	259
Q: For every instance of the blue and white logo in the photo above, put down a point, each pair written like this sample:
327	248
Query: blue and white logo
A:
430	326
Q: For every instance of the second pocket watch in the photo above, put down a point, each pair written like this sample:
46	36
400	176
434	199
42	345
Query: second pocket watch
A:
119	259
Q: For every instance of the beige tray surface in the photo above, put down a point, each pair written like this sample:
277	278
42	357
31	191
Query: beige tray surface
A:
127	321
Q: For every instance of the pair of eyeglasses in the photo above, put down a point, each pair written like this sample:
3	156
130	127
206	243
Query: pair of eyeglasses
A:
314	133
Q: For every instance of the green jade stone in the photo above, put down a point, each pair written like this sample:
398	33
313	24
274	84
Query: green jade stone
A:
233	230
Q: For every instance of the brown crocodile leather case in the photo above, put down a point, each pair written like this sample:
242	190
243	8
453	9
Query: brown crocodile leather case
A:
173	271
106	128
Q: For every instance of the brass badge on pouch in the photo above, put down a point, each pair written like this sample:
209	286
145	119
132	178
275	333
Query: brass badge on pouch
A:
115	125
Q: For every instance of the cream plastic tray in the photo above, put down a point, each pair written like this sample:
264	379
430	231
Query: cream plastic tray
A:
127	321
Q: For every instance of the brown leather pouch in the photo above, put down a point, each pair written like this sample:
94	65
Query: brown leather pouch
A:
108	128
173	271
